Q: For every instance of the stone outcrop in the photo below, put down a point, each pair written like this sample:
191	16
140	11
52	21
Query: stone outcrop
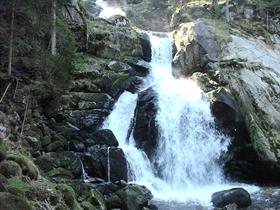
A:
240	73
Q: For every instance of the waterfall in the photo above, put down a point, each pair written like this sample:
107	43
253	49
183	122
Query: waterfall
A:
189	145
186	166
108	11
84	174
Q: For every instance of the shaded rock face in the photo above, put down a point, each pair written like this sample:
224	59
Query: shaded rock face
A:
102	137
60	165
145	131
196	46
239	196
96	163
152	15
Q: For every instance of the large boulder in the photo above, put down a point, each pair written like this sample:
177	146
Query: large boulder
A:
239	196
145	131
113	42
134	197
102	137
106	162
196	46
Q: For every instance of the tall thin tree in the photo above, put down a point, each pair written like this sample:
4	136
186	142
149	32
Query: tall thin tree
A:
53	33
11	44
227	11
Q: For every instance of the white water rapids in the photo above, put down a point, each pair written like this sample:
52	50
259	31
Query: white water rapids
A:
189	146
108	11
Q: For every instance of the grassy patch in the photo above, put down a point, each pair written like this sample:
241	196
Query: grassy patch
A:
17	186
3	150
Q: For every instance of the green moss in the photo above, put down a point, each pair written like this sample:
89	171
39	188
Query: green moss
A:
87	206
3	150
9	168
81	61
28	167
69	196
16	186
262	5
118	83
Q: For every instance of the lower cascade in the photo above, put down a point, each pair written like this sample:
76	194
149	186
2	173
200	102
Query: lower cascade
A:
186	165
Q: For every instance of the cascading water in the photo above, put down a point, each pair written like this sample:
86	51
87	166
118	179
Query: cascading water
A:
189	146
186	165
108	11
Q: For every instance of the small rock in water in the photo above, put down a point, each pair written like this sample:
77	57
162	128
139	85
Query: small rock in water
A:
238	196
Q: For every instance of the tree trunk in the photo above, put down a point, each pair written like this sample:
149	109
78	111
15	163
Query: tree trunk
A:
227	11
11	45
53	36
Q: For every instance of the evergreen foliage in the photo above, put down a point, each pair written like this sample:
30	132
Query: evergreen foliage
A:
32	36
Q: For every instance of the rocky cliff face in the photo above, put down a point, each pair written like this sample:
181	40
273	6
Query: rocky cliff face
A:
240	72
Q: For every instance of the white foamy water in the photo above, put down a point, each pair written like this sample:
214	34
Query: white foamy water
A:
108	11
188	162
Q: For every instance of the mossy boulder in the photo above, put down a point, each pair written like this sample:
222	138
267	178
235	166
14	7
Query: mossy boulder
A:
68	161
134	197
113	42
13	202
9	169
87	206
3	150
102	137
196	46
55	146
28	167
4	126
17	186
69	196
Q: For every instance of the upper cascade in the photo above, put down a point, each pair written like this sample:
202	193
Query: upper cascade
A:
108	11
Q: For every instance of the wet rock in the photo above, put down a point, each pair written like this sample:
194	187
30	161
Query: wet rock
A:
239	196
76	146
118	66
119	20
96	163
140	66
145	130
107	188
225	109
102	137
92	9
146	46
134	197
